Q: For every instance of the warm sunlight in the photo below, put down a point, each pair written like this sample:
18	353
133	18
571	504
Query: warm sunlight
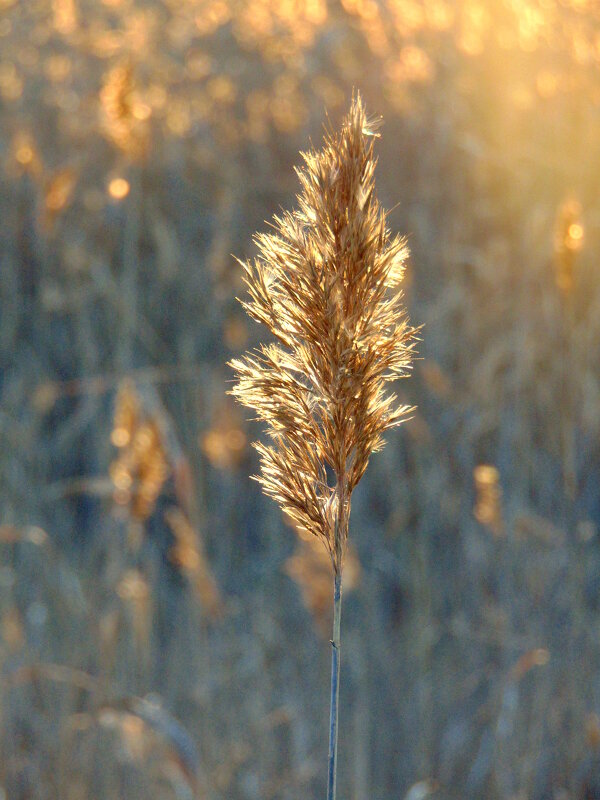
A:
166	632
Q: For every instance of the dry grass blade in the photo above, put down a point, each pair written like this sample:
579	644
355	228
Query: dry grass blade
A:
188	555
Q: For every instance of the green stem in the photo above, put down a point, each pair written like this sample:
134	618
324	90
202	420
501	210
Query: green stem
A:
335	686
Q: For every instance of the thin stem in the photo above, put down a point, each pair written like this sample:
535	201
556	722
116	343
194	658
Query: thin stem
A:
335	686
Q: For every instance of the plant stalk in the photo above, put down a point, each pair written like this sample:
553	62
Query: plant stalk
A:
335	686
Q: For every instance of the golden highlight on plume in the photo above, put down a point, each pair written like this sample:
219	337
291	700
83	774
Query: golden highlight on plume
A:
488	505
327	283
142	466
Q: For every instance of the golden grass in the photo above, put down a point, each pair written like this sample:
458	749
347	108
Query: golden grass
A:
327	285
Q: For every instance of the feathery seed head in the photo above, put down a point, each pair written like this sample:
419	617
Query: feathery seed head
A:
327	285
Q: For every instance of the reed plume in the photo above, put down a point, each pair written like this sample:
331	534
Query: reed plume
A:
327	283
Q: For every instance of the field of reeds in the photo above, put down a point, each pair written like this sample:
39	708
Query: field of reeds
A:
164	629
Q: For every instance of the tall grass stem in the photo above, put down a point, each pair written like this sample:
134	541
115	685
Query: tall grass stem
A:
335	686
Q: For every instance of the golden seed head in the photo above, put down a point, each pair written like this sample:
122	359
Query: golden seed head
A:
327	284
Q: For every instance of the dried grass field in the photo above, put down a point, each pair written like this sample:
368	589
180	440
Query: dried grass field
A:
164	628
